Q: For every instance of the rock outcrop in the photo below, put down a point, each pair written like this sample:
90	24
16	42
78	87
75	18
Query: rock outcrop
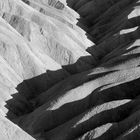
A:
69	70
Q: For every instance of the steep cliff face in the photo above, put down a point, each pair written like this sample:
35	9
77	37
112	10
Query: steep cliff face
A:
69	69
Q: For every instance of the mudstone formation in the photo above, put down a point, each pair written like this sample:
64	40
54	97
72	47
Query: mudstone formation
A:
69	70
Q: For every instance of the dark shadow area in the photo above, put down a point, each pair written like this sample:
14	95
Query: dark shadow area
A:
99	26
114	116
82	64
126	125
68	111
114	46
109	23
82	107
31	88
108	54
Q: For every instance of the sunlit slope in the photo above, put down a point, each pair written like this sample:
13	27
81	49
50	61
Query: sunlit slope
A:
55	83
49	33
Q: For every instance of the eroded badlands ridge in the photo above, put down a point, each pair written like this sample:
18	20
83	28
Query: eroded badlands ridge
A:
62	78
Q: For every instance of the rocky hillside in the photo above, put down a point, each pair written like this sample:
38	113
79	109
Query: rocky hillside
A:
69	69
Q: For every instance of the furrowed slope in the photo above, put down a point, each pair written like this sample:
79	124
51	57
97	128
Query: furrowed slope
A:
55	83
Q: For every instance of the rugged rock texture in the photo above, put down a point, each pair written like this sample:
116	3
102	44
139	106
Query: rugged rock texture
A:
69	70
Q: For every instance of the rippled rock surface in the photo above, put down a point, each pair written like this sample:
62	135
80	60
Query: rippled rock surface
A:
69	69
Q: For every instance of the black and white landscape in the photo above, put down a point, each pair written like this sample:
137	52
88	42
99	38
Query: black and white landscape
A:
69	69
